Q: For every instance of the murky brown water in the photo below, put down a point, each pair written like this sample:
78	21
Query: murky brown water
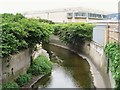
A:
69	70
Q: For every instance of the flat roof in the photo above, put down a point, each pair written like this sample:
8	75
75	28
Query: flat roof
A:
74	9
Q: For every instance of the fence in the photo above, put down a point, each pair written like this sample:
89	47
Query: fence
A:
114	33
105	32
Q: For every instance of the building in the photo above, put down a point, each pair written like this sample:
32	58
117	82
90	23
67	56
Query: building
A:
113	16
105	31
78	14
109	29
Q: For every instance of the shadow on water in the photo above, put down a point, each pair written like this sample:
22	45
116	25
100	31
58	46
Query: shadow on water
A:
69	70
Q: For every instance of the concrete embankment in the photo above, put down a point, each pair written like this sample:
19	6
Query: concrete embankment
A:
35	79
97	60
14	65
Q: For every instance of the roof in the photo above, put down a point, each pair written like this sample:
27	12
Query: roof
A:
82	9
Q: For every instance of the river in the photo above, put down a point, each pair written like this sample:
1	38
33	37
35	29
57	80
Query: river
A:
69	70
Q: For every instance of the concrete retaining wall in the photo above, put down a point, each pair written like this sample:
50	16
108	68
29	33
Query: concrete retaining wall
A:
14	65
97	59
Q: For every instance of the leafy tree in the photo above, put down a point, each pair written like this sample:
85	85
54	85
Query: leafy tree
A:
74	33
11	17
45	21
19	33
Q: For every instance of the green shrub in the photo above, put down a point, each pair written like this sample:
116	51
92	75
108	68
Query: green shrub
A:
7	17
74	33
45	21
20	33
113	53
40	65
57	28
23	79
10	86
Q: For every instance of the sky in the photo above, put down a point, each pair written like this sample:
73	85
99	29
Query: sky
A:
17	6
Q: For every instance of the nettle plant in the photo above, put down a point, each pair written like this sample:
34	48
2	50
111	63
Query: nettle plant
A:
113	53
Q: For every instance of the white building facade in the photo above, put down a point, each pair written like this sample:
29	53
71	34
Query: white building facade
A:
79	14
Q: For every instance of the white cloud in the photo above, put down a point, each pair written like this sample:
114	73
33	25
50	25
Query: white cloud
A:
35	5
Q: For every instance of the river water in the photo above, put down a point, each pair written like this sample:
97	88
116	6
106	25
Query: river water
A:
69	70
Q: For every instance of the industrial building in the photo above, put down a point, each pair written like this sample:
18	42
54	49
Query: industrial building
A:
78	14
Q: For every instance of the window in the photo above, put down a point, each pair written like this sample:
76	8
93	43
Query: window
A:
98	16
80	14
104	16
70	15
94	15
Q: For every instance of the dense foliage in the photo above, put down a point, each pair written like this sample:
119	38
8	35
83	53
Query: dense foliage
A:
19	33
40	65
23	79
10	86
46	21
74	33
11	17
113	53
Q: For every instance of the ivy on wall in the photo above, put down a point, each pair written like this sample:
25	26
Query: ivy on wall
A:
112	51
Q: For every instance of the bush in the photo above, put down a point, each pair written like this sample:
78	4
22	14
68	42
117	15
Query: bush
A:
20	33
45	21
6	17
113	53
74	33
40	65
57	28
10	86
23	79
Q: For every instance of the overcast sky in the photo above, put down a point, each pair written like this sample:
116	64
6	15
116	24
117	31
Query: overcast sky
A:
11	6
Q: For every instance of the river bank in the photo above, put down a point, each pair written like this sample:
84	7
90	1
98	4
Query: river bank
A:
96	74
96	58
69	70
